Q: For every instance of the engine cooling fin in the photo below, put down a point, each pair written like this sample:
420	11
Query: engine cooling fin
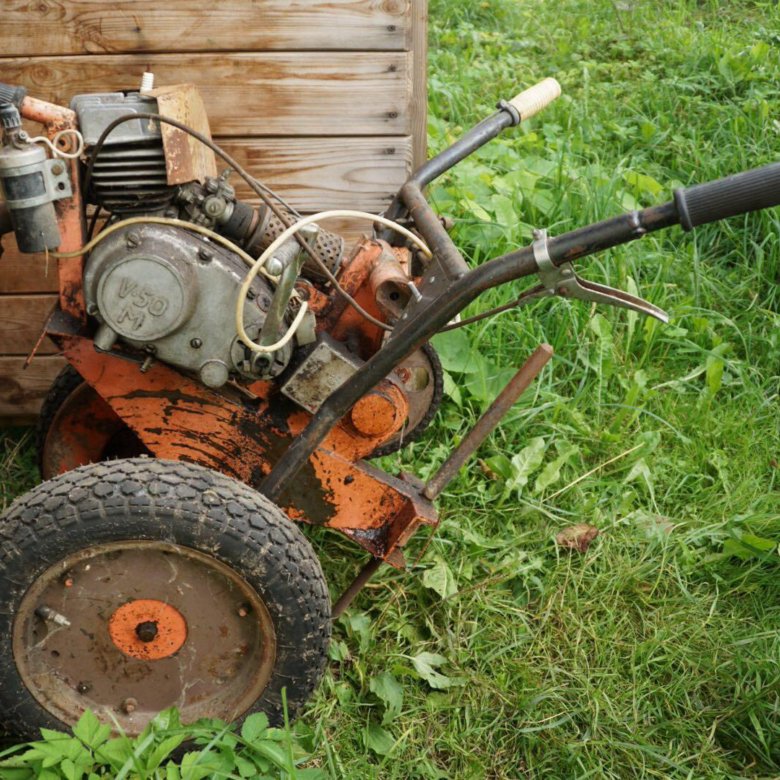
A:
131	178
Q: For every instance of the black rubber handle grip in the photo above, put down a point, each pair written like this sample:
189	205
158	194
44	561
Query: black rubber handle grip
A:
738	194
11	94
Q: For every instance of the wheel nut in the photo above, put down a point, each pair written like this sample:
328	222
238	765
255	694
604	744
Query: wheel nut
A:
129	706
146	631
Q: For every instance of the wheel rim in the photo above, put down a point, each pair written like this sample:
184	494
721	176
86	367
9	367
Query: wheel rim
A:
84	430
131	628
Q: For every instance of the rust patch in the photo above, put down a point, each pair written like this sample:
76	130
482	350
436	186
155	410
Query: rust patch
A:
176	418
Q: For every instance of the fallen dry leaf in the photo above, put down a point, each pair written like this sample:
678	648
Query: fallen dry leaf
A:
577	537
486	470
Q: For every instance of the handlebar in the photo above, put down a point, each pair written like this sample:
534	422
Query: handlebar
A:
532	100
722	198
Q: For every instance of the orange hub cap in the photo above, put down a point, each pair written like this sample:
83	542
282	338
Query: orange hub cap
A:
147	629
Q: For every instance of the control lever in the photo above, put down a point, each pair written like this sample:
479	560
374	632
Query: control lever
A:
562	280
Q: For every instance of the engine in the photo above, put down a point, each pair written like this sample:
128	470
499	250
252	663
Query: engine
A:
167	291
167	276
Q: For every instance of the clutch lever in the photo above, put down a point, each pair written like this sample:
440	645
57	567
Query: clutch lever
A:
562	280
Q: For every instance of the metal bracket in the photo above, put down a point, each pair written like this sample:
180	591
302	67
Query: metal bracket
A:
562	280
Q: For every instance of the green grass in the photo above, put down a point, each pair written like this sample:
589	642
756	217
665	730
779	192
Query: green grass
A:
656	653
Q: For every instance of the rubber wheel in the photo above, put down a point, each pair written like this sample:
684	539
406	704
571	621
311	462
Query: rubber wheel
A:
116	441
424	401
140	584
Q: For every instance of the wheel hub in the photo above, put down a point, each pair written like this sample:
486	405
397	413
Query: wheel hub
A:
151	623
147	629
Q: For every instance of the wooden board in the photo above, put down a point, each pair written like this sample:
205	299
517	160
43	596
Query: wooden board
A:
334	173
89	27
418	111
262	94
22	391
23	317
24	273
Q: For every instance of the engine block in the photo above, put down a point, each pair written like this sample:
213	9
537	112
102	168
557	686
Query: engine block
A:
172	294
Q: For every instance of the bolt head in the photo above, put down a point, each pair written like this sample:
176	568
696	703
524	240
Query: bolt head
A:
214	206
58	169
83	687
133	239
196	343
146	631
204	255
274	266
129	705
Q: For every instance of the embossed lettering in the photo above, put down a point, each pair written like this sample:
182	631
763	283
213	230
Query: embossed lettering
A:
136	316
141	298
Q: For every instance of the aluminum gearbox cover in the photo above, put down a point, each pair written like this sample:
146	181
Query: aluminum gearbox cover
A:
173	293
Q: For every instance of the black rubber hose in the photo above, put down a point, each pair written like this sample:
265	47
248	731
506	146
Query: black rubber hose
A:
738	194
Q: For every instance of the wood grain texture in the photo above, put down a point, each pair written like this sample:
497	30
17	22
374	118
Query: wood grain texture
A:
22	318
22	390
418	111
326	173
24	273
264	94
92	26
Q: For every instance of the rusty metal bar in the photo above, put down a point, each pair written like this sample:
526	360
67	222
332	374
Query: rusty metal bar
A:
348	596
516	386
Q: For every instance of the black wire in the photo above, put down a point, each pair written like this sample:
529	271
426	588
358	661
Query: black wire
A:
93	222
276	195
250	180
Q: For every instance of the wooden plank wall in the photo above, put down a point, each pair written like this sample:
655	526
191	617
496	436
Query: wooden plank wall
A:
325	100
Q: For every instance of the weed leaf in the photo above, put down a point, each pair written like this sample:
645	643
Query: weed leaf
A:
526	462
254	727
378	739
440	578
389	690
90	730
425	663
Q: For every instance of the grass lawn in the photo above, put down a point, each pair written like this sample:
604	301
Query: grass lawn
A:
655	653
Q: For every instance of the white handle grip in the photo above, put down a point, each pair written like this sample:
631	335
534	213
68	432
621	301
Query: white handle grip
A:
535	98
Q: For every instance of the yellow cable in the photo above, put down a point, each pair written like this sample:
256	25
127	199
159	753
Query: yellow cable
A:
204	231
290	231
